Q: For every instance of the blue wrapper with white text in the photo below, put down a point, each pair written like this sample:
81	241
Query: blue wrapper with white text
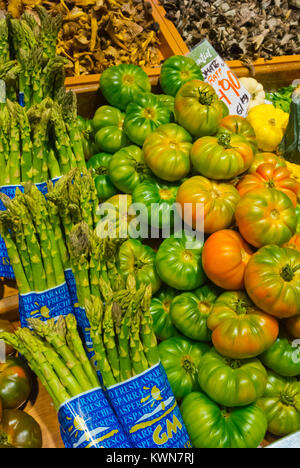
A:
147	409
6	270
88	421
45	305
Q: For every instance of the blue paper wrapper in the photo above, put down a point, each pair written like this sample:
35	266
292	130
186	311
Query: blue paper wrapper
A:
70	280
45	305
88	421
6	270
85	330
148	411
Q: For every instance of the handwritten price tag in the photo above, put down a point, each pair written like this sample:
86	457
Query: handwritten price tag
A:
217	73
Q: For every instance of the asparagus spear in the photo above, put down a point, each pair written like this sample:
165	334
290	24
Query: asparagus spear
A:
26	144
79	251
124	337
110	342
147	333
39	118
74	339
67	159
138	359
22	282
50	27
13	173
95	311
68	102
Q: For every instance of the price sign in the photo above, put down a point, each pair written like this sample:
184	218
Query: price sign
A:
217	73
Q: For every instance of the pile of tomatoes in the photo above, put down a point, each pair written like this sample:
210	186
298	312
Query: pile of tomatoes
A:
17	428
226	310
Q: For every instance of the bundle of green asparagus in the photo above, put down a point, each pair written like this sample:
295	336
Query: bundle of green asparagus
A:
29	63
55	353
93	259
75	197
34	239
122	332
40	144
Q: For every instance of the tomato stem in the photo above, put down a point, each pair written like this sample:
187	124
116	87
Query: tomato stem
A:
188	364
205	98
288	273
224	140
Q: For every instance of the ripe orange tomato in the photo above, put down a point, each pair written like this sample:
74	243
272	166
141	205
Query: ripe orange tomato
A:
225	257
218	199
270	176
241	330
272	280
265	217
266	158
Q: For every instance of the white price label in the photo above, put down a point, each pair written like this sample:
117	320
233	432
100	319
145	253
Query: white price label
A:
217	73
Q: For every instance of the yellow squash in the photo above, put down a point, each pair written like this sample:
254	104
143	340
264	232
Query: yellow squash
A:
269	125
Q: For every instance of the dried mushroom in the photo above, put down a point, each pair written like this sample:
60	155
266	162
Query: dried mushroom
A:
97	34
237	29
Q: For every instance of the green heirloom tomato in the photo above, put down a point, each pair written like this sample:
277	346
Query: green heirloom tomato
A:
168	101
104	186
108	125
15	384
160	311
179	262
190	311
167	152
121	83
198	109
19	430
144	115
127	169
181	358
160	199
210	426
139	260
176	71
283	357
232	383
281	405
